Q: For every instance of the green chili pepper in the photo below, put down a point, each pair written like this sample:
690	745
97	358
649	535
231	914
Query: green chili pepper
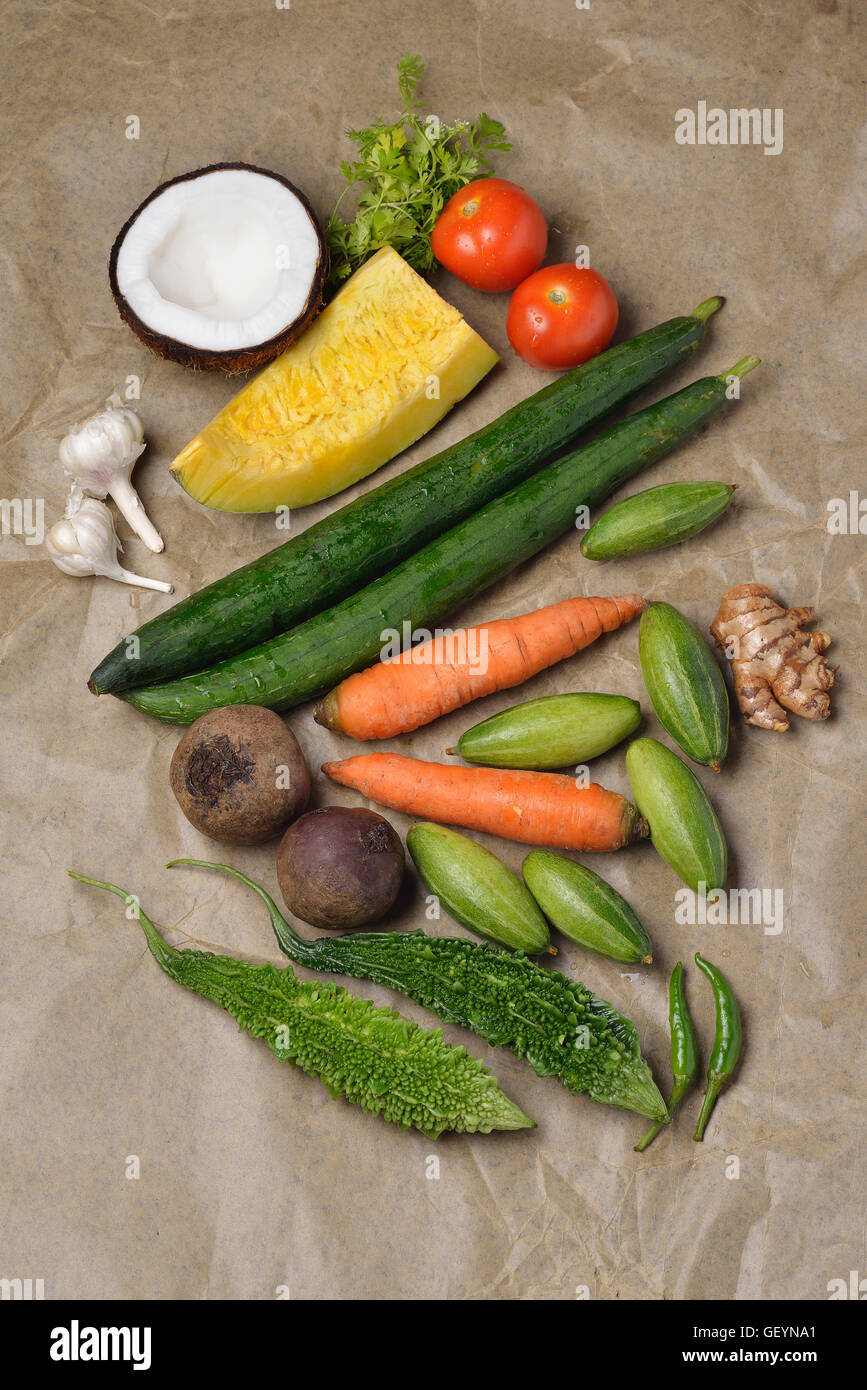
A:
727	1043
683	1058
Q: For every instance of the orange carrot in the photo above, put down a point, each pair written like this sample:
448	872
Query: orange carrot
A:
416	686
537	808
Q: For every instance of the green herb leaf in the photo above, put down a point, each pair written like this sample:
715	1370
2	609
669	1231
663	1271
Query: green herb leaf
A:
403	176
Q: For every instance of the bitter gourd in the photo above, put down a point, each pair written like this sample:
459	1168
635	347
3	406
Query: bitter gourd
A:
370	1055
555	1024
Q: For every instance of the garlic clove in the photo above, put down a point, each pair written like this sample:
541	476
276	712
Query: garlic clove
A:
62	545
86	543
99	456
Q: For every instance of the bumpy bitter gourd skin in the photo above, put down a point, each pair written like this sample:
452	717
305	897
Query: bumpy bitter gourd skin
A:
555	1024
370	1055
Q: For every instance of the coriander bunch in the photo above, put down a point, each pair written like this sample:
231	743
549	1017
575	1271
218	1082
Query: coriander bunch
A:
404	175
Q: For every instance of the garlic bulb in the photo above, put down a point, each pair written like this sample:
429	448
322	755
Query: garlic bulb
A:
99	456
87	543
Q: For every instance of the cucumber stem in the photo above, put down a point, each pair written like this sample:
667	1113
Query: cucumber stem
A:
746	364
707	307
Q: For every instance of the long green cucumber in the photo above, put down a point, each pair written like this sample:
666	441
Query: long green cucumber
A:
477	888
369	1055
554	1024
553	731
685	684
585	908
659	517
684	828
311	659
371	535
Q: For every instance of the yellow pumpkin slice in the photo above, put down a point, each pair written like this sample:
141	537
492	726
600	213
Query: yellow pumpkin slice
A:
383	362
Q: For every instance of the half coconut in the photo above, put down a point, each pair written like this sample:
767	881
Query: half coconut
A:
220	269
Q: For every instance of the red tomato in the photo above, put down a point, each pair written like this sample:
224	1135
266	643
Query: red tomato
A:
561	316
491	235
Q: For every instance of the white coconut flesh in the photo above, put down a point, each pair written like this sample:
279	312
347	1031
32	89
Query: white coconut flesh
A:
223	261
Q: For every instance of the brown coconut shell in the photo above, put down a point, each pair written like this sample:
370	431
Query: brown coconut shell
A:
236	360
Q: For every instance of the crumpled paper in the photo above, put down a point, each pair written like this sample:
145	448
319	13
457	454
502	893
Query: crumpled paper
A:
148	1151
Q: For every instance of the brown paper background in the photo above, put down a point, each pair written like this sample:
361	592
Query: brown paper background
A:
251	1176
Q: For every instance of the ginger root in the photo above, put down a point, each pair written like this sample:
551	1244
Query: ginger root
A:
775	666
